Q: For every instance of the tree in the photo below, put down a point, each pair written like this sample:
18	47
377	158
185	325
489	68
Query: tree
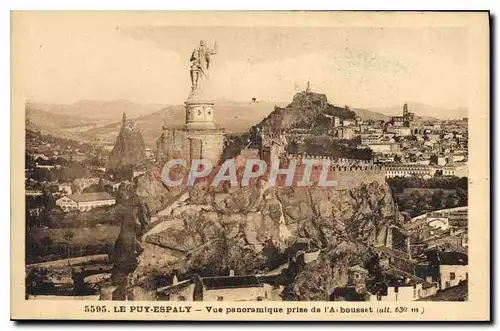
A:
37	282
46	242
100	186
462	183
437	199
462	196
452	200
68	236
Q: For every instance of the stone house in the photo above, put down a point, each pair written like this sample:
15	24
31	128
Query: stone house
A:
85	201
403	286
447	269
221	288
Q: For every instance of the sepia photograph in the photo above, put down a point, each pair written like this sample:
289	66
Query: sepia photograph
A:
168	158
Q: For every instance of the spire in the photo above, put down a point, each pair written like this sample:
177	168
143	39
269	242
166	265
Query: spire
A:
308	89
124	119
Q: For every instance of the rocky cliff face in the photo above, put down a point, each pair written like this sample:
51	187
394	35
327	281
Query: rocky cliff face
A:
129	149
307	110
253	230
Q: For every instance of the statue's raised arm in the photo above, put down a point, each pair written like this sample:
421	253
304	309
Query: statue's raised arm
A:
213	51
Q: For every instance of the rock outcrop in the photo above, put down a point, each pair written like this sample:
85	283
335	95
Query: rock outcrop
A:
209	231
129	149
307	110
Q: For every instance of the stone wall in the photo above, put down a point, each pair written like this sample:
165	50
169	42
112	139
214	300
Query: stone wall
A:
186	144
172	143
212	143
346	176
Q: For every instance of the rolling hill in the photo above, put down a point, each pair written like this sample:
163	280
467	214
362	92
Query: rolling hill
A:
370	115
235	117
100	120
98	110
49	121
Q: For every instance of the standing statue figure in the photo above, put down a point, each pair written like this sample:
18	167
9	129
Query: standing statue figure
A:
200	62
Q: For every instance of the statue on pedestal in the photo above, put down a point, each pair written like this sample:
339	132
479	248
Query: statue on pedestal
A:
200	62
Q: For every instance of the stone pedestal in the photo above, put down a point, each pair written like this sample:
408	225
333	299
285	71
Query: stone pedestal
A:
206	140
199	115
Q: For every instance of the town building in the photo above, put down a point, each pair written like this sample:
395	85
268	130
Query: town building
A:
405	120
394	285
403	286
221	288
447	269
347	122
401	131
85	201
408	170
356	277
346	132
397	121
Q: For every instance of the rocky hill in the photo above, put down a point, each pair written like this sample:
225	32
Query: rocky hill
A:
308	110
129	149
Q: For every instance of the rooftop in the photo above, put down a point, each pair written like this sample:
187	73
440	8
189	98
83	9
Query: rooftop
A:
453	258
86	197
232	282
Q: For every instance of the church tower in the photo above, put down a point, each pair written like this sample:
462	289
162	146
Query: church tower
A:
405	110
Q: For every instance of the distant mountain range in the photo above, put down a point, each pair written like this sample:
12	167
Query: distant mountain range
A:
91	120
97	110
101	120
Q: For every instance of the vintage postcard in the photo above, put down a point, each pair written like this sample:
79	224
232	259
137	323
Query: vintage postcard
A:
250	166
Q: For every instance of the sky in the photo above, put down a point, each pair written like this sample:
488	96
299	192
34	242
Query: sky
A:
68	57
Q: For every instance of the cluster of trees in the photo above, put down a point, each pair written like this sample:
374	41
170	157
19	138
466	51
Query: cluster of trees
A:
45	248
124	172
435	194
68	171
323	122
398	184
37	282
339	148
343	113
38	138
235	143
419	202
105	215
